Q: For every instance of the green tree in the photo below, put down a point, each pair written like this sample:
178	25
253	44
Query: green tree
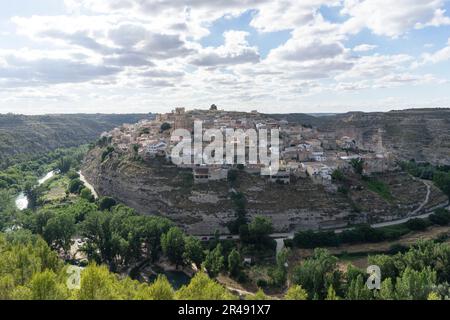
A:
97	283
165	126
64	164
234	263
259	231
173	245
387	290
358	290
296	292
279	273
415	285
33	193
75	186
106	203
161	289
331	294
193	251
317	274
214	261
202	287
46	286
87	195
59	231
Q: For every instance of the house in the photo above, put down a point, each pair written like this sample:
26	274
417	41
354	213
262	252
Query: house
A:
319	172
282	176
157	149
216	174
318	156
201	174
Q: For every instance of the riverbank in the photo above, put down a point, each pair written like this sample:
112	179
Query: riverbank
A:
22	200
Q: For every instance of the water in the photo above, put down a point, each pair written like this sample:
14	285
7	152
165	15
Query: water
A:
22	200
176	278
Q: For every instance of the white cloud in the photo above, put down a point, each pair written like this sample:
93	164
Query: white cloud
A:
438	56
392	18
364	48
116	50
235	50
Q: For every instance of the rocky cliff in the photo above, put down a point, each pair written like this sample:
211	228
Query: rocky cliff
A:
156	188
420	134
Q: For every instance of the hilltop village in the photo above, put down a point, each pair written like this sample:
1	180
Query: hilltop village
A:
304	150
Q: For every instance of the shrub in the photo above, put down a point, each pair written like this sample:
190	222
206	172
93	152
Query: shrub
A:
417	224
87	195
440	217
106	203
72	174
75	186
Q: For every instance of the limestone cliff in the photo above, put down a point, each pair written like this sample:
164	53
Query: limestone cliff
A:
156	188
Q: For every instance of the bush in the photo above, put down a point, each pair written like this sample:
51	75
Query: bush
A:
310	239
165	126
106	203
87	195
72	175
440	217
261	283
417	224
75	186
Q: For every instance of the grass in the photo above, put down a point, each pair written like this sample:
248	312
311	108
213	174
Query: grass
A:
379	187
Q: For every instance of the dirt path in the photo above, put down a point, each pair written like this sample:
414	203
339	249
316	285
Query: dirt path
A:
425	202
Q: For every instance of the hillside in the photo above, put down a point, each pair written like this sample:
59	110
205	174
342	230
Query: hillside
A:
420	134
25	135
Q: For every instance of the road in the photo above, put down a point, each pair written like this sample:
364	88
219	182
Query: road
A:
280	237
425	202
88	185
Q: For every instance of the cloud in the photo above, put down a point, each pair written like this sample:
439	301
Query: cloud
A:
295	50
235	50
438	56
392	18
23	71
364	48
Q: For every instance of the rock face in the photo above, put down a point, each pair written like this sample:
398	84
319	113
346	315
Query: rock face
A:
420	134
157	188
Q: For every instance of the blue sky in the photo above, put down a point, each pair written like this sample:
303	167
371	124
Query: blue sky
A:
275	56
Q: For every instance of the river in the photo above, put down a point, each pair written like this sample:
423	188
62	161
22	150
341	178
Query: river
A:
22	200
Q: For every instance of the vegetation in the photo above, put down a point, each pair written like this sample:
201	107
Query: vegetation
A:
440	175
116	238
367	234
358	165
165	126
27	138
379	187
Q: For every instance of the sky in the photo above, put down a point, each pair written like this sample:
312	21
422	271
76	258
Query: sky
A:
284	56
